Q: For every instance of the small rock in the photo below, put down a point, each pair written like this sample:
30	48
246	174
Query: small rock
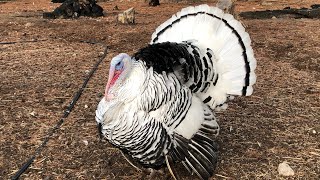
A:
115	8
85	142
28	24
101	54
127	17
86	106
33	114
273	17
285	170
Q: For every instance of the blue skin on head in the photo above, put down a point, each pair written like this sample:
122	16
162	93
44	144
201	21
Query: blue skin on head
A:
117	64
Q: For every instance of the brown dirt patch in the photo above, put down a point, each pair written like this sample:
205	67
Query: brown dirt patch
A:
38	80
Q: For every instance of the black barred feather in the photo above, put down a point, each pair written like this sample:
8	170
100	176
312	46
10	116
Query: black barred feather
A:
164	56
168	56
196	154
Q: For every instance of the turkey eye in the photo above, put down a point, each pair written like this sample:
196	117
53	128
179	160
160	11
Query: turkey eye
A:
119	65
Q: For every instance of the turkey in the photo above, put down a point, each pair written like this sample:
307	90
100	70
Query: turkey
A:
159	103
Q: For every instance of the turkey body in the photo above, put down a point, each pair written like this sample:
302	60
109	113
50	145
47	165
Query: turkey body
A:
161	102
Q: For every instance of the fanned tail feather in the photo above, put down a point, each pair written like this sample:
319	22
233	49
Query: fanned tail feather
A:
226	37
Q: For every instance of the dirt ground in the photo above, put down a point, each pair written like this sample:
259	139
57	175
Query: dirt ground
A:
279	122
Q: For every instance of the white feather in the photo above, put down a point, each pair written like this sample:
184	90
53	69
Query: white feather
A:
212	32
193	120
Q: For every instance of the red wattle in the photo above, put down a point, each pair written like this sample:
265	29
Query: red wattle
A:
115	77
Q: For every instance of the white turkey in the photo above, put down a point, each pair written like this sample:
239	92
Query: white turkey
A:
160	102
